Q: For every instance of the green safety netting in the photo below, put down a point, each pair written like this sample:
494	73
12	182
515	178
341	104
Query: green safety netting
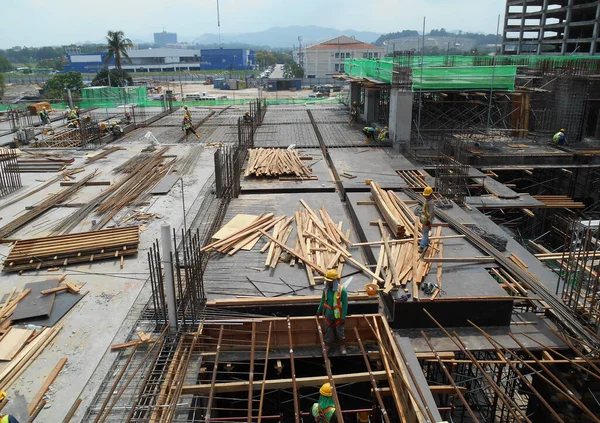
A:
113	96
464	72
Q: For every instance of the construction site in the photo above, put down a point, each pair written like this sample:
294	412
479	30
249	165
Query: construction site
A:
152	277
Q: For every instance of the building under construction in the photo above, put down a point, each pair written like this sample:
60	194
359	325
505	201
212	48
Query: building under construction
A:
497	321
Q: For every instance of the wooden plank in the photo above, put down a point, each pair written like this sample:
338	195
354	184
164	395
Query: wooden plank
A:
301	382
35	304
49	380
12	342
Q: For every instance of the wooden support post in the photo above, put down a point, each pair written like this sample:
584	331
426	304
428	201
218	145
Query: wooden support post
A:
251	376
293	368
211	394
338	408
262	388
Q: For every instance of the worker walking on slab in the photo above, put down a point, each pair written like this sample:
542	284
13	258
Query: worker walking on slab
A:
324	410
188	127
353	114
45	118
427	214
333	308
559	138
6	418
370	132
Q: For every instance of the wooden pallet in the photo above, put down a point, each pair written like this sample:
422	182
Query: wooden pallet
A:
62	250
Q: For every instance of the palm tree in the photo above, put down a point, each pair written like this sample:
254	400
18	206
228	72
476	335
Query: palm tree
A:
117	48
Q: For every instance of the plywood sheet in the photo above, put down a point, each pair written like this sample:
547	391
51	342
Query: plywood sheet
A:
62	304
165	185
35	304
238	222
12	342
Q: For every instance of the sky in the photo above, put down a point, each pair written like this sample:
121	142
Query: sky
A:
35	23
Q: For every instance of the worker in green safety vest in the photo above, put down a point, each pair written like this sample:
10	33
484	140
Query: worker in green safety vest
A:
6	418
333	308
324	410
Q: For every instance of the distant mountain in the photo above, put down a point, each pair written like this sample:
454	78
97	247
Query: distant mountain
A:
287	36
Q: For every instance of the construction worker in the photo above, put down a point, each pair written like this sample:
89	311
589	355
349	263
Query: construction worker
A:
73	116
333	308
427	214
6	418
247	117
559	138
45	118
73	123
103	128
370	132
384	135
187	112
77	111
116	130
67	113
188	127
324	410
127	117
353	114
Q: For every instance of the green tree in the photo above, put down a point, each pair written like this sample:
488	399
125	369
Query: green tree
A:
265	58
117	48
118	78
2	85
5	65
56	87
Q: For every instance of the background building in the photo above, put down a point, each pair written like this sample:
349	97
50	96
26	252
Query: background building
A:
551	27
161	39
227	58
327	58
146	60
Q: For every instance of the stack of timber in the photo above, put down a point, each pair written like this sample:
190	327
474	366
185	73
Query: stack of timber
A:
415	179
132	188
40	165
37	253
44	206
64	141
320	243
6	309
401	220
276	162
558	202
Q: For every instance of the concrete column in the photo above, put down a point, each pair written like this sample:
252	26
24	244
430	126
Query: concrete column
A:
566	22
370	110
401	106
596	33
354	93
167	251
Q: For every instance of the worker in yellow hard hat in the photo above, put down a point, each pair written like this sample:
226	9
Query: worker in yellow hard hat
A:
247	117
324	410
334	308
362	417
370	132
384	135
188	127
353	114
427	214
6	418
560	138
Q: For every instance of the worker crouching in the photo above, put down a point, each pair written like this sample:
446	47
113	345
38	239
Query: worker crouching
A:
370	132
324	410
6	418
333	308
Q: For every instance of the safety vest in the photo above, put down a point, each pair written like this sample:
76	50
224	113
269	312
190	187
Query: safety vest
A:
426	213
5	419
187	124
321	416
556	137
337	304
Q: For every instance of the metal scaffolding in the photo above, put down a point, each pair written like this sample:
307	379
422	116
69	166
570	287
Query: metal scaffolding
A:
10	177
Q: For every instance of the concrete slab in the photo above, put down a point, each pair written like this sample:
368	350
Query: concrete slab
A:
302	135
365	164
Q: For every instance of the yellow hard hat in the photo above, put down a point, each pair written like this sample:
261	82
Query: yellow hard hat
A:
363	417
185	107
354	103
331	275
113	123
427	191
3	395
326	390
185	116
77	107
246	112
385	127
376	129
562	130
